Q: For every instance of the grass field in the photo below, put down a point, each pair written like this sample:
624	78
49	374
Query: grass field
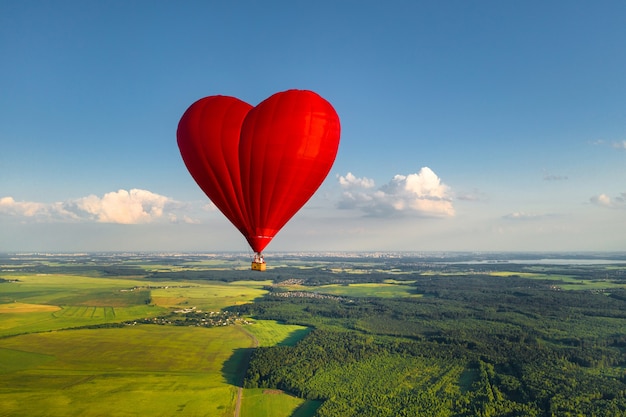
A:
26	308
207	295
134	370
389	288
563	281
142	370
272	333
15	323
368	290
260	402
64	289
566	282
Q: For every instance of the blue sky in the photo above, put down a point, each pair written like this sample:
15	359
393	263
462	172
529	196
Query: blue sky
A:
466	125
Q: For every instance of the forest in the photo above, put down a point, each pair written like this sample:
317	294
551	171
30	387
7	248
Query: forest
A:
466	344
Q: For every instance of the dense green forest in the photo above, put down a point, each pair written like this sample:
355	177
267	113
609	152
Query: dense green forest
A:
467	345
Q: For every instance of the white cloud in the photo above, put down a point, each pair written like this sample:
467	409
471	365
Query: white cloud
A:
350	181
34	210
604	200
8	205
422	193
619	145
123	207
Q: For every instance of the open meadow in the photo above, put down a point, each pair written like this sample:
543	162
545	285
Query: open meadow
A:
135	370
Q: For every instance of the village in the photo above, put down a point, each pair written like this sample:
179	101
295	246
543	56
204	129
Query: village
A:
192	316
308	294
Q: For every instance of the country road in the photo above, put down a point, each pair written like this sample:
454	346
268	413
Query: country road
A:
255	344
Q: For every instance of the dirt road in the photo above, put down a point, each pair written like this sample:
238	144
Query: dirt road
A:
255	343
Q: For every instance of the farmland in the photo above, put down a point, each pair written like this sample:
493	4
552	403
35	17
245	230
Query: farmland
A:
316	335
161	370
66	350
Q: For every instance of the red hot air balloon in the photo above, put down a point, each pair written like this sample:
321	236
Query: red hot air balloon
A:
259	165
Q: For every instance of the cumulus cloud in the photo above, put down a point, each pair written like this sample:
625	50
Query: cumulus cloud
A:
350	181
604	200
34	210
619	145
422	193
122	206
8	205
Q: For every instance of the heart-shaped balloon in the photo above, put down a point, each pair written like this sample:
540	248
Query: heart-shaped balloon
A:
259	165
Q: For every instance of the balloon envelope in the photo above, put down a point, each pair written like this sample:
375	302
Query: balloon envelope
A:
260	165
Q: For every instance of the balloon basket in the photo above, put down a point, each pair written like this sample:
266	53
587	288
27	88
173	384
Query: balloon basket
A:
258	266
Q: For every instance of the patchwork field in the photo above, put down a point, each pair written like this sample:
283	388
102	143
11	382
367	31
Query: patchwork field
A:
51	365
43	302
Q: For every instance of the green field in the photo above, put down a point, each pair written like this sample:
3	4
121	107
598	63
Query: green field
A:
259	402
273	333
159	370
71	317
68	301
386	290
207	295
132	370
564	281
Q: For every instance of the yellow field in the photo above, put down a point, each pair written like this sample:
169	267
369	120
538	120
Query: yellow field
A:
207	296
26	308
515	274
